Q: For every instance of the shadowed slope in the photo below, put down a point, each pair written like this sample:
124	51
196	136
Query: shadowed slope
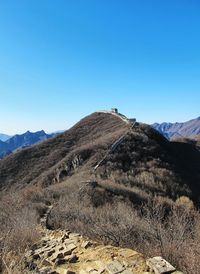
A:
147	161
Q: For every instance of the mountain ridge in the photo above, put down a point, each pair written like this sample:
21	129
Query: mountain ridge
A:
188	129
20	141
110	179
4	137
151	163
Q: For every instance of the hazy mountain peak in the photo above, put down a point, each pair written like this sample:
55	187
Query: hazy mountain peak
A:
186	129
4	137
19	141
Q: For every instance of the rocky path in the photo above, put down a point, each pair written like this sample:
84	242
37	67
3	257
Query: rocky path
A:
64	252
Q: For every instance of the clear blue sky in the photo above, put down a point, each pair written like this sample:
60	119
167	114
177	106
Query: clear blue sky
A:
63	59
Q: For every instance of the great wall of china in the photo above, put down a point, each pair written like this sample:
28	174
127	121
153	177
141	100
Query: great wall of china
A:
65	252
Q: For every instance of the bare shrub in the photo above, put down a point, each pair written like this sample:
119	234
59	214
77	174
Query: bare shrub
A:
40	208
33	194
185	201
157	228
18	232
173	235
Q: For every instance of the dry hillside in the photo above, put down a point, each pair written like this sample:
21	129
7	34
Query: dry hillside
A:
116	182
53	159
143	160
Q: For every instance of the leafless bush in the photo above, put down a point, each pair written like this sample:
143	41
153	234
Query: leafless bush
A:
17	233
174	235
157	228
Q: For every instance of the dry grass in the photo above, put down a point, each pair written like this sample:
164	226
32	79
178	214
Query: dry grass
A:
145	159
115	210
40	162
18	232
156	228
103	212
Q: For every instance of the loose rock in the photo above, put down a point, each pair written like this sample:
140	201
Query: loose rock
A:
115	267
160	265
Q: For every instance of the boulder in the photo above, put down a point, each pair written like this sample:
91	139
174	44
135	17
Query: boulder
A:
160	266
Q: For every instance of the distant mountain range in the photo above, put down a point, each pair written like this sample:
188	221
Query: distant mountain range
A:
189	129
4	137
171	131
11	144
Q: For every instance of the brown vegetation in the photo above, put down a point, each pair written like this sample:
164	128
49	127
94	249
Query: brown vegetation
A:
103	212
159	227
18	232
144	160
194	140
40	163
143	195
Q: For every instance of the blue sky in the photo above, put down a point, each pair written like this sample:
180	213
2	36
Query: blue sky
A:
61	60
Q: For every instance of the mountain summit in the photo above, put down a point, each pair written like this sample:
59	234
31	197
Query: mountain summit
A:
108	147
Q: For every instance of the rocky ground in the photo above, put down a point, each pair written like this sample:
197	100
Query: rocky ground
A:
64	252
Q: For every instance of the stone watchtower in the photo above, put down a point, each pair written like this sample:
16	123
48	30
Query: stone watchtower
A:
114	110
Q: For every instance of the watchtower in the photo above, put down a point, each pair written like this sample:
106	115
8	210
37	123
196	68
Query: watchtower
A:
114	110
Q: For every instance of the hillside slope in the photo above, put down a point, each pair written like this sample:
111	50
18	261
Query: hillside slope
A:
109	179
194	140
4	149
53	159
141	160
